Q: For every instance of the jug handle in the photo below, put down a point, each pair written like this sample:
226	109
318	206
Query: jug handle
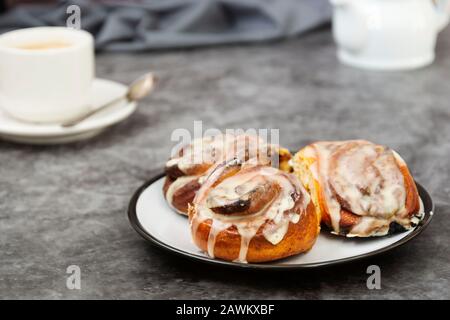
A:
443	13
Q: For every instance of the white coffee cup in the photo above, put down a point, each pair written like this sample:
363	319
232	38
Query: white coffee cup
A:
46	73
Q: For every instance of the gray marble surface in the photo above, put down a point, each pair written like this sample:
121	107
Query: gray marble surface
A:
64	205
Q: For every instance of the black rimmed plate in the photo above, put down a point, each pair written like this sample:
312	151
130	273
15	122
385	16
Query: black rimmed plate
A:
156	222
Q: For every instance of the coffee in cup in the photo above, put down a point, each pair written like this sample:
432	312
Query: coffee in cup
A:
44	45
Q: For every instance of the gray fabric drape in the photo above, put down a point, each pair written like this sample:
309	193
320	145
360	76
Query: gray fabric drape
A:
161	24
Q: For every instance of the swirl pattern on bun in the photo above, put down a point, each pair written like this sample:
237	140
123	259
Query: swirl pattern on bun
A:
359	188
186	171
248	212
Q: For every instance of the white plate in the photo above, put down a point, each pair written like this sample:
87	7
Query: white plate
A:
153	219
102	92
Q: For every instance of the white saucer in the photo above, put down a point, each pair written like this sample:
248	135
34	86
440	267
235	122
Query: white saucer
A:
102	92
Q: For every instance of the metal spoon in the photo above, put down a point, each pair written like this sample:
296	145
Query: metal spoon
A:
137	90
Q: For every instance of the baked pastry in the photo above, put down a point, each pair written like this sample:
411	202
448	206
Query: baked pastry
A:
360	189
248	212
186	171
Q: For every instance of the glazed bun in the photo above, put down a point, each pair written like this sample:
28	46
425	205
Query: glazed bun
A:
186	171
248	212
359	189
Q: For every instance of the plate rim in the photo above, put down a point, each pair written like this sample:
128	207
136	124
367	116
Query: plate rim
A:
135	223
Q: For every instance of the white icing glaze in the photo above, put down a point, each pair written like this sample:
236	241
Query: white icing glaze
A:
202	153
364	178
382	225
278	212
176	185
321	171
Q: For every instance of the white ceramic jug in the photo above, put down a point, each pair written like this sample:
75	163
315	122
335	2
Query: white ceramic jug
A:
388	34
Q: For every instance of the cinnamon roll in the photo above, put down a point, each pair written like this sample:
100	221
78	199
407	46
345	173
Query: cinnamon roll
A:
186	171
248	212
360	189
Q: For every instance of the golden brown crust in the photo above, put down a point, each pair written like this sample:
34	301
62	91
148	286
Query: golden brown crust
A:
412	195
348	219
299	238
183	196
248	212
